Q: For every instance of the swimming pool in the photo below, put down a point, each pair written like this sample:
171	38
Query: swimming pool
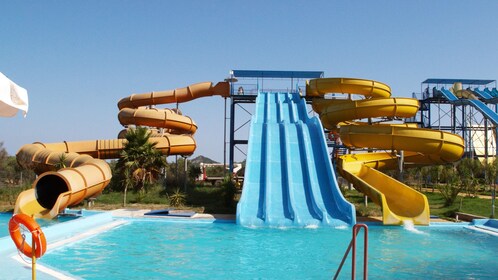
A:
163	249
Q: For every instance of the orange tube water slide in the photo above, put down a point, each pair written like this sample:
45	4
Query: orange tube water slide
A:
85	173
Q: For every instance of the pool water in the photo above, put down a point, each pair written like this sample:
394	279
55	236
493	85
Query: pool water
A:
156	249
5	217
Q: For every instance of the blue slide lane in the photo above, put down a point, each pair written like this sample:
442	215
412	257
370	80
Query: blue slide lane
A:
449	95
485	110
493	92
289	180
482	94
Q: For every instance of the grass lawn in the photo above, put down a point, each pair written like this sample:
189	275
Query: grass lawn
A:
466	204
211	199
470	205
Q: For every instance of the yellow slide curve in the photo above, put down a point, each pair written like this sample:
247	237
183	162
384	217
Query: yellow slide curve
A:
86	173
399	202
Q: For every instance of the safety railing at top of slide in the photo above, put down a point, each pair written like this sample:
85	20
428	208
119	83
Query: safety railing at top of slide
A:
352	244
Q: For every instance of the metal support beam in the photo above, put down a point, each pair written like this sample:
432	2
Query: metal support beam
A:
232	134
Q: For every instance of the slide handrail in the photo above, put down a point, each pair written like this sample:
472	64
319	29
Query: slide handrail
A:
352	244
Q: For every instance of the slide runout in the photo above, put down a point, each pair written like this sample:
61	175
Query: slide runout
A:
398	201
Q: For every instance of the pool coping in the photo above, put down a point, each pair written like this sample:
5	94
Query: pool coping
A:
141	213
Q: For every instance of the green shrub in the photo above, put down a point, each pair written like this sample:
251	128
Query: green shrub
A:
177	198
229	191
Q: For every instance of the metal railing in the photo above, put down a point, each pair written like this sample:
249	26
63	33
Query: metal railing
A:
352	244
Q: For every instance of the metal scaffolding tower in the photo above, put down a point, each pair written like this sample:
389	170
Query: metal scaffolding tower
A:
244	88
462	106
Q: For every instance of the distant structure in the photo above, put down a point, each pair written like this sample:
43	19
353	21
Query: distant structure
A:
247	84
203	176
467	107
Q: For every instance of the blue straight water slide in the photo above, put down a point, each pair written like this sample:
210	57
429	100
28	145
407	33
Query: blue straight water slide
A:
485	110
289	180
479	105
482	94
493	92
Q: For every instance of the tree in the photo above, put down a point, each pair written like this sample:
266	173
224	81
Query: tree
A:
3	153
62	161
140	162
469	170
453	184
194	171
127	181
491	172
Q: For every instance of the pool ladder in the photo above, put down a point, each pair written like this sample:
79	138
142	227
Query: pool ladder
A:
356	230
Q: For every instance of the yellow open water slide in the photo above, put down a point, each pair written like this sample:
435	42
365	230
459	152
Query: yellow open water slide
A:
399	202
86	173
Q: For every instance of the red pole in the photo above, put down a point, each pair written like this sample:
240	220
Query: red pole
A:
356	230
353	256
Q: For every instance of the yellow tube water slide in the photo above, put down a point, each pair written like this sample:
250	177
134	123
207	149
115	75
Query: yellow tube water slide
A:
85	173
423	146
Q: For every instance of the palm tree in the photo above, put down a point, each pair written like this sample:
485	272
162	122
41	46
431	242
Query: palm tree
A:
62	162
127	181
140	161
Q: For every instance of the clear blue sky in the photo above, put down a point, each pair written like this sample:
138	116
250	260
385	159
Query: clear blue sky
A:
78	58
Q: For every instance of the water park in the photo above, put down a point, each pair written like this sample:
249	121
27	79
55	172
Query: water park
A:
308	138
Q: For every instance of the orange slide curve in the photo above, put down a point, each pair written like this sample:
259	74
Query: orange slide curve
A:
85	173
399	202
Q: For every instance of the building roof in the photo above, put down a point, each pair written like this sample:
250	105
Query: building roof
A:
463	81
276	74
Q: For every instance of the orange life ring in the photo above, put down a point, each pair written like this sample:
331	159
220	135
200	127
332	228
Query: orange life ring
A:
21	242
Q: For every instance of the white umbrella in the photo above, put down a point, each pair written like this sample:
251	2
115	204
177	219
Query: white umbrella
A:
12	98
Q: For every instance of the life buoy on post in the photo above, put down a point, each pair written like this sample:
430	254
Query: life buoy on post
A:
22	243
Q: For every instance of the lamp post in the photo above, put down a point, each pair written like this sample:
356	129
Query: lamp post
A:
493	196
185	168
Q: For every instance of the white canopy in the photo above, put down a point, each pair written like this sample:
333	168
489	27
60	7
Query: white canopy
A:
12	98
